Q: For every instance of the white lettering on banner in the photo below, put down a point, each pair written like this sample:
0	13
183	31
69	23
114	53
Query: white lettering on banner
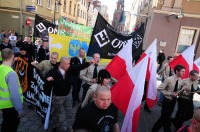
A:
102	38
137	41
44	98
41	27
38	79
35	87
30	95
118	43
52	30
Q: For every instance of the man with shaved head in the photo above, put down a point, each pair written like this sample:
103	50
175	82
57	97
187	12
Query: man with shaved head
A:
100	115
195	123
61	81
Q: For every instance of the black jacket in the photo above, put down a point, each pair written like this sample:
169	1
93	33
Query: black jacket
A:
2	46
42	54
62	87
76	61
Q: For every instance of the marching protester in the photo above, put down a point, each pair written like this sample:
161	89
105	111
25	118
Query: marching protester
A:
2	35
89	75
22	53
185	100
165	71
169	88
46	65
5	44
161	58
100	115
103	79
61	81
30	48
43	52
76	81
11	99
195	123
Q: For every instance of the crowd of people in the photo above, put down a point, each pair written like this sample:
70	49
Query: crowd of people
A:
96	113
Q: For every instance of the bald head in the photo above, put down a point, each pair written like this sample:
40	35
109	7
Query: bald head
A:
64	63
101	89
196	114
102	97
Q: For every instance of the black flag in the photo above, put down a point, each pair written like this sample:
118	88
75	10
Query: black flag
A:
42	28
106	41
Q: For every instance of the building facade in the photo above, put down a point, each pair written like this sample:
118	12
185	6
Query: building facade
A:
175	23
72	10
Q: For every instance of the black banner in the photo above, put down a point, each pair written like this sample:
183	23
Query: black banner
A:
38	93
42	28
108	42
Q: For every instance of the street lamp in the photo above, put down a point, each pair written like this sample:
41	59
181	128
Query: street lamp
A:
57	2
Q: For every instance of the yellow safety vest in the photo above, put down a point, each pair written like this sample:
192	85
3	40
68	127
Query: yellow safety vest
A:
5	101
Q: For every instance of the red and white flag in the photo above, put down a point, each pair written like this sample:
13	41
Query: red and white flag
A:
151	89
127	94
122	62
185	59
196	65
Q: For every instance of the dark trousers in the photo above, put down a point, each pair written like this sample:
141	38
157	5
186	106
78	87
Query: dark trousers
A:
184	112
85	89
165	118
10	121
76	84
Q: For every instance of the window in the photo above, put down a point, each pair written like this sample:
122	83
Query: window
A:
78	12
64	6
39	2
56	6
186	39
49	4
74	10
70	7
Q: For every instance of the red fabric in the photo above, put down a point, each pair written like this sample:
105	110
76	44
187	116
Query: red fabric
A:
117	67
121	93
180	60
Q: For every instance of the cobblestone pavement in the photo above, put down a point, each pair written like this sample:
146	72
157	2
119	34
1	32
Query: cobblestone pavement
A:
31	122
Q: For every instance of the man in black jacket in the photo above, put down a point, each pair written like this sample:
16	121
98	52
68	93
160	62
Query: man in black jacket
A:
76	81
61	82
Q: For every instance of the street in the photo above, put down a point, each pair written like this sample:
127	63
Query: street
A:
31	122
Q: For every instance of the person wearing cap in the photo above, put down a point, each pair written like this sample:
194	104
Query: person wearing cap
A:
22	53
43	52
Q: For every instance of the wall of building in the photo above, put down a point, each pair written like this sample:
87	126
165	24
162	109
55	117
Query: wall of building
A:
168	31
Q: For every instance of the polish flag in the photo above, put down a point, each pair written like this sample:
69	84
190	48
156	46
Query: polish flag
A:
185	59
127	95
196	65
151	89
122	62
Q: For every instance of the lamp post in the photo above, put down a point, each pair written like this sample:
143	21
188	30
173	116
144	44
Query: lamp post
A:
57	2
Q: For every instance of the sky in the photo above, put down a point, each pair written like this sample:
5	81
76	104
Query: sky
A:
112	4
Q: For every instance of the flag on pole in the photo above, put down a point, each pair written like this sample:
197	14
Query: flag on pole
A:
127	94
196	65
151	90
122	62
185	59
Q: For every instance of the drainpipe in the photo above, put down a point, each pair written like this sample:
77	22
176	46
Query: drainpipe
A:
21	19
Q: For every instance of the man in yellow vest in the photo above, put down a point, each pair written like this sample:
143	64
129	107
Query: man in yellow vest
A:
11	98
